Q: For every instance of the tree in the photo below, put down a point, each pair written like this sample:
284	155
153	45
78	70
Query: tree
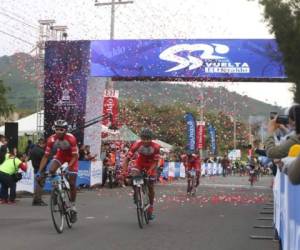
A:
5	107
283	17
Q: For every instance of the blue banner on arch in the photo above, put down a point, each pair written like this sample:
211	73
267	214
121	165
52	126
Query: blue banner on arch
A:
187	58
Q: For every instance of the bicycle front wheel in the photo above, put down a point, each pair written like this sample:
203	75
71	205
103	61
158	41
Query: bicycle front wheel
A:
139	206
146	204
67	208
57	210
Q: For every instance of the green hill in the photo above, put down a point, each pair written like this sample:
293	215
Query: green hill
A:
18	73
215	99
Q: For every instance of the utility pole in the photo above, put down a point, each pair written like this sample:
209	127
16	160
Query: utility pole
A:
234	125
113	4
250	131
202	122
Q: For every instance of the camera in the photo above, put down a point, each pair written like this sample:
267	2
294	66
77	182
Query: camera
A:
282	119
272	115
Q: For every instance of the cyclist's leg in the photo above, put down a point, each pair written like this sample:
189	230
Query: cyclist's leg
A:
152	179
198	171
151	194
134	171
54	165
72	177
151	190
188	178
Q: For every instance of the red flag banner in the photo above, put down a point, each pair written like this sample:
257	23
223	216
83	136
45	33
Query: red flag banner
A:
200	135
110	106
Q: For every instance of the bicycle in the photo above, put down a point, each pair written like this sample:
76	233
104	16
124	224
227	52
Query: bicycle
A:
111	176
191	182
252	177
60	204
141	198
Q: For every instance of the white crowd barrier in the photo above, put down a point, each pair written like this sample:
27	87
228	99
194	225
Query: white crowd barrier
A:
286	211
89	173
176	169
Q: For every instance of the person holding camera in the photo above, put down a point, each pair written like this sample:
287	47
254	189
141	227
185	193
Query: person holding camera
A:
288	123
9	176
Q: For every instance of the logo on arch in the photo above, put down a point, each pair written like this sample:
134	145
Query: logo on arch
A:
209	57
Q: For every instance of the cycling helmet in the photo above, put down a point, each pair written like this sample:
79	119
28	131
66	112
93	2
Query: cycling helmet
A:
61	124
146	133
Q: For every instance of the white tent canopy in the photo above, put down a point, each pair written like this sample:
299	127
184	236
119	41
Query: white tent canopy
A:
28	125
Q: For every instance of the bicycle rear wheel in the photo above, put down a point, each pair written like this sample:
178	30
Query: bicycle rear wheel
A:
139	206
57	210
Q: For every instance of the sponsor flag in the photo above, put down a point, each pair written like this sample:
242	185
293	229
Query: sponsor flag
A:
200	135
212	133
191	131
110	106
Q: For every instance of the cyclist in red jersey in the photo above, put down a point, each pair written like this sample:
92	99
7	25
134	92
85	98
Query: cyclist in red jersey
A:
66	151
192	161
147	160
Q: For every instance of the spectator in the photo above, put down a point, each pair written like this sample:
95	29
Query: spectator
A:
8	169
106	164
161	164
36	155
29	147
280	151
3	140
81	153
225	164
3	148
88	155
85	153
294	171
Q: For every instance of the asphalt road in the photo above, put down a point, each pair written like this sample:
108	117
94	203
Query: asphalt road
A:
221	216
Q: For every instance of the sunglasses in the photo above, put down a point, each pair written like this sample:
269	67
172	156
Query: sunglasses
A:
60	130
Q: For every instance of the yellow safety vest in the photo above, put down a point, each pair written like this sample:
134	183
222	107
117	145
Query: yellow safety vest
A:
10	165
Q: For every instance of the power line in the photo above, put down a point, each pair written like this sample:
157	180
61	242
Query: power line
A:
11	29
13	13
15	37
13	18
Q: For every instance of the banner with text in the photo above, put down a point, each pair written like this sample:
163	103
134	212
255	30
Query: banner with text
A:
200	135
191	131
110	106
187	58
212	134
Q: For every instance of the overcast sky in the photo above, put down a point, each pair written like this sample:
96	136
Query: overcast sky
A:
143	19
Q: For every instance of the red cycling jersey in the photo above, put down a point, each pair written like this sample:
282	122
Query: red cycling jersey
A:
147	155
191	162
66	148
